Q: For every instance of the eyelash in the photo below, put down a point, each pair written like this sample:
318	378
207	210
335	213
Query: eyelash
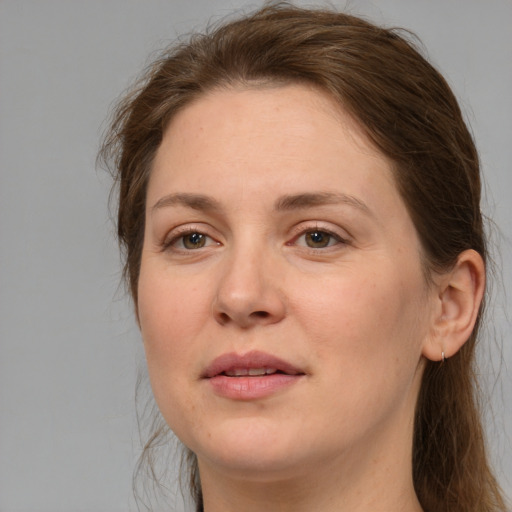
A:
180	236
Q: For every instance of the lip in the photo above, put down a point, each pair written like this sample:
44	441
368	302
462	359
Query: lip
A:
247	387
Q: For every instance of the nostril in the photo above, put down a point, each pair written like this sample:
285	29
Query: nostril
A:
224	318
260	314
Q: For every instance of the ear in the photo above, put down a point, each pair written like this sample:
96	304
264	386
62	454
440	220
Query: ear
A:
459	295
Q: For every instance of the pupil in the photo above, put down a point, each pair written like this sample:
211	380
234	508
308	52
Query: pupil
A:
318	239
194	240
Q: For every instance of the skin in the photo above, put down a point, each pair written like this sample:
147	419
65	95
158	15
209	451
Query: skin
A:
356	316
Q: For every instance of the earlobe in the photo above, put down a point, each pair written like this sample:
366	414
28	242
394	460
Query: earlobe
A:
460	293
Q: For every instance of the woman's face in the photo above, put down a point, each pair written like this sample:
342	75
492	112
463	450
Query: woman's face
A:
282	301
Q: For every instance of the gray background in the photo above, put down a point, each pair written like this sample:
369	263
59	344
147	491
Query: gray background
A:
69	347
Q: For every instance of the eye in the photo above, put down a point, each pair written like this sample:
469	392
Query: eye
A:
193	240
190	241
318	239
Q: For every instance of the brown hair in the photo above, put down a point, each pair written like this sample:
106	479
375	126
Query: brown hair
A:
410	114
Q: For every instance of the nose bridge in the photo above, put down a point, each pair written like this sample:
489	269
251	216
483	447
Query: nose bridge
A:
248	291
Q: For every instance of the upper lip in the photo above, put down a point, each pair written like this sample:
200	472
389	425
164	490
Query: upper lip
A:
254	359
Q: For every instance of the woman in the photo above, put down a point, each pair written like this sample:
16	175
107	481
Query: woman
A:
299	205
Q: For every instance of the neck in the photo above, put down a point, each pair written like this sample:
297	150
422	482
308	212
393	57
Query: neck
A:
378	481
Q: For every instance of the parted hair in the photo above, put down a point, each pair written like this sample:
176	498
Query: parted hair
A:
409	113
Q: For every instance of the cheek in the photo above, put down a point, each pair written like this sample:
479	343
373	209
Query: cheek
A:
171	312
366	336
369	323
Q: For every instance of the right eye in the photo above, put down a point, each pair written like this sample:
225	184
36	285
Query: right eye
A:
190	241
193	241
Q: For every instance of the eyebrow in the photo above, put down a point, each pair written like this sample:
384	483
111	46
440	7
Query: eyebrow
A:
310	200
284	203
194	201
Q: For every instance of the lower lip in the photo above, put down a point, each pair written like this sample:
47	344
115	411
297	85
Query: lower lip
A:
251	388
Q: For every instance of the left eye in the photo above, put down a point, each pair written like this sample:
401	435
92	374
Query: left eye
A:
318	239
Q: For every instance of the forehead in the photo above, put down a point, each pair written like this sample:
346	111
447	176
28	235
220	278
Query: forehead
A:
299	110
289	139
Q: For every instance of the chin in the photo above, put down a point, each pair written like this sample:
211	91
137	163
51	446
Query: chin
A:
249	448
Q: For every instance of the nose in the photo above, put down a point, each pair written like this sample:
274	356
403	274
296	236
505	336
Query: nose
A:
248	291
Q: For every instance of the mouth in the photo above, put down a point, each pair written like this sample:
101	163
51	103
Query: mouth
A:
251	376
251	364
250	372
